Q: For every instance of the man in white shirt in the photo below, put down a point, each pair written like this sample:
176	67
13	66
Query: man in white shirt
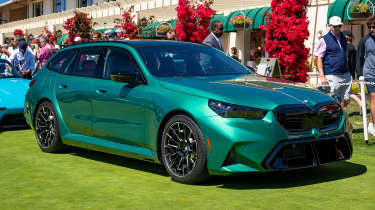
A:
23	60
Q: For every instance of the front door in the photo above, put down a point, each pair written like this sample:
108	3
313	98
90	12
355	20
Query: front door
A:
118	107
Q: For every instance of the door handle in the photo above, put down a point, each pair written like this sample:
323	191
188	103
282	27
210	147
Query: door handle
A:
63	86
100	91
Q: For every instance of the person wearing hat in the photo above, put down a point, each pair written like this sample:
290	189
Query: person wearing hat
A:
112	36
332	62
366	67
77	40
23	60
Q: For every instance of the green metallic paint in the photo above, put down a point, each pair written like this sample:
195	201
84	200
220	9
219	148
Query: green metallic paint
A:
133	130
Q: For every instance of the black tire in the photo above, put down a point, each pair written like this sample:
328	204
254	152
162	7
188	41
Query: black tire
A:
46	127
183	151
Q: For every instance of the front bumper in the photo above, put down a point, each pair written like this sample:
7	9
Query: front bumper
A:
308	153
12	118
240	145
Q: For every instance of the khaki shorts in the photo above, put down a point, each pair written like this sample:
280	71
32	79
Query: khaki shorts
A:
340	85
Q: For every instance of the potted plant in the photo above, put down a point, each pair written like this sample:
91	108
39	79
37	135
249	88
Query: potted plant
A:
161	30
360	10
239	21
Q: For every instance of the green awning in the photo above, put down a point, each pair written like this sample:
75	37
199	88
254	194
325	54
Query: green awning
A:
341	8
173	22
218	17
259	18
150	30
256	15
103	30
152	26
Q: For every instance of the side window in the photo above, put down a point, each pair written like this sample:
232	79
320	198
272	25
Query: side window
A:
59	62
120	61
89	62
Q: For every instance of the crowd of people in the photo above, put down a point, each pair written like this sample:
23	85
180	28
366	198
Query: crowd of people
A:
28	57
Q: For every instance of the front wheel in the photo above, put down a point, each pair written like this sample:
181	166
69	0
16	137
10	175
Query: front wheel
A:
184	151
47	128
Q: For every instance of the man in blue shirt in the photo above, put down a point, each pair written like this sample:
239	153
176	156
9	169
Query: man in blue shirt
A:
23	60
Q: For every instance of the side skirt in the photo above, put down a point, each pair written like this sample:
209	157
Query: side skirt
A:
106	146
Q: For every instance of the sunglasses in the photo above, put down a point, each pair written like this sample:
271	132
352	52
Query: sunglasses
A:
371	27
339	26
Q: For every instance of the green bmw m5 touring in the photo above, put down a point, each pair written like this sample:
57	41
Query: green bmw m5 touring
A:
186	106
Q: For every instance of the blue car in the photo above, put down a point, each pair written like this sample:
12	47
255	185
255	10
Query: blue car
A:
12	96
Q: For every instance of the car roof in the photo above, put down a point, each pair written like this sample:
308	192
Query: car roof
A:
140	43
5	60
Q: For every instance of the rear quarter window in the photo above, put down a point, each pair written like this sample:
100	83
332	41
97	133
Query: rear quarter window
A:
60	61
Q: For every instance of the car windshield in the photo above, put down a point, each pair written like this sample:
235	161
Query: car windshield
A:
7	71
189	60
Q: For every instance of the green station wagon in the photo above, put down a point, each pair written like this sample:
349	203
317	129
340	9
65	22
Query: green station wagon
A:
186	106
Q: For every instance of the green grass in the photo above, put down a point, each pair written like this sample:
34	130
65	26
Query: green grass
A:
82	179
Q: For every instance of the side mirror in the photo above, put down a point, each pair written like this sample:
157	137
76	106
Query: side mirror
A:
251	69
126	78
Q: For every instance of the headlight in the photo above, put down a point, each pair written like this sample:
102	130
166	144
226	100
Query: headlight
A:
228	110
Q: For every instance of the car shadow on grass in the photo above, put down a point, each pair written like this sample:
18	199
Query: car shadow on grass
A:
357	113
119	160
288	179
357	130
269	180
14	128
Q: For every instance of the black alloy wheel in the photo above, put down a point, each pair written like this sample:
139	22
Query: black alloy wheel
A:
184	151
47	128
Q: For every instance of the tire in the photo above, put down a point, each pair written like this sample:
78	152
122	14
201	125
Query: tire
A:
47	128
183	150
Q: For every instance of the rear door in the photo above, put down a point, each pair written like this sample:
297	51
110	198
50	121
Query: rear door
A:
118	107
74	91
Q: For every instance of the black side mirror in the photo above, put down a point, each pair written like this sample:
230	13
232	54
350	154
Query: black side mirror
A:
251	69
131	78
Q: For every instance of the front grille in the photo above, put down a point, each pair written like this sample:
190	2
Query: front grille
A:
299	120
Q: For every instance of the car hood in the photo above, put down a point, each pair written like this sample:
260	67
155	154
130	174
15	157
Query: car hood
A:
13	91
247	90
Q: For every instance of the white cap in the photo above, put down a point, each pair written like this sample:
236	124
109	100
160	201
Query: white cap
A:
335	21
77	39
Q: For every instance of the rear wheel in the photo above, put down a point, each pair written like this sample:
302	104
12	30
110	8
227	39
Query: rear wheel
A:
184	151
47	128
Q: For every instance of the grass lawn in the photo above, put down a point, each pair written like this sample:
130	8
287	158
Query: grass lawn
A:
82	179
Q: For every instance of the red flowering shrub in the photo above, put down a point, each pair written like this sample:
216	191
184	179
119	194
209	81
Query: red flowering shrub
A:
50	36
79	25
286	32
193	20
128	26
18	32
